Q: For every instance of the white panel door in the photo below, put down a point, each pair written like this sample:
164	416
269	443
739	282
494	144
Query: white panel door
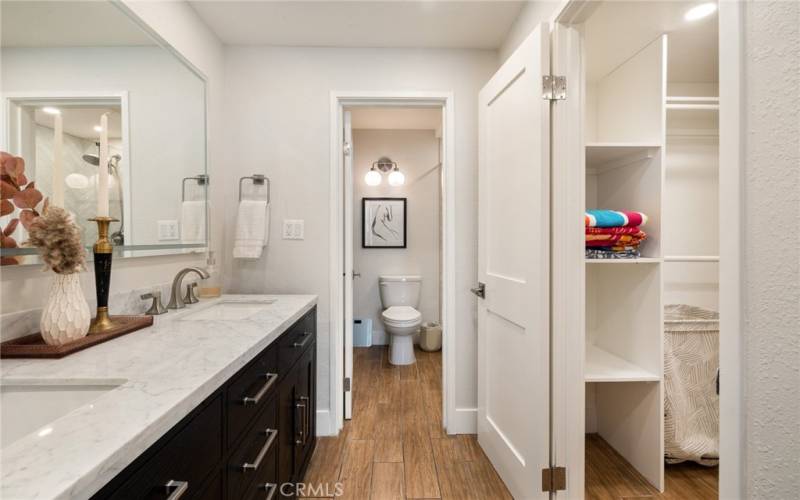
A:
347	150
513	260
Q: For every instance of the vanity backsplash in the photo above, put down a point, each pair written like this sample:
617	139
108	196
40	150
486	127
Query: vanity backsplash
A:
20	323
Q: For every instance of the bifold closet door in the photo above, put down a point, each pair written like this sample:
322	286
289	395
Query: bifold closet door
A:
513	265
347	161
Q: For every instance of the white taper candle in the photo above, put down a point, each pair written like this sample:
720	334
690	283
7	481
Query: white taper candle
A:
58	161
102	172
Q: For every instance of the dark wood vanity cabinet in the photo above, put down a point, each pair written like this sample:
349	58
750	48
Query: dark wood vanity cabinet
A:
252	435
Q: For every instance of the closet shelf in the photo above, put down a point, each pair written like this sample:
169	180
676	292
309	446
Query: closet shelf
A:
602	366
604	156
640	260
692	103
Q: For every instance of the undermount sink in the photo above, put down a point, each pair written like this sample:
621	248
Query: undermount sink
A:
230	310
28	407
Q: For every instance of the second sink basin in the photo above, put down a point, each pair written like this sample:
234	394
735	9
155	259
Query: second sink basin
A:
230	310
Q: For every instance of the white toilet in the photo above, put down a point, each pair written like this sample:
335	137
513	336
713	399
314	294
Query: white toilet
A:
400	297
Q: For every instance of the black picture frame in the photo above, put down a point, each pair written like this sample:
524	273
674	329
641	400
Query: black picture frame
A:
367	225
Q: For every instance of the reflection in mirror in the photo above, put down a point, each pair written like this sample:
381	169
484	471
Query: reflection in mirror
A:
63	66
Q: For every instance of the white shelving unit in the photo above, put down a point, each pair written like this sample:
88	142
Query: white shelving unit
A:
602	366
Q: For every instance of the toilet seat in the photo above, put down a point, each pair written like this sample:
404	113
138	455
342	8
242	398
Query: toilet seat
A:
401	316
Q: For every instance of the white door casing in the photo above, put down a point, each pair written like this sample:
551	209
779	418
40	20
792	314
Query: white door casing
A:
513	262
347	152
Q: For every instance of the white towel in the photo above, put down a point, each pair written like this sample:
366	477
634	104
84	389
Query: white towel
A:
193	222
252	229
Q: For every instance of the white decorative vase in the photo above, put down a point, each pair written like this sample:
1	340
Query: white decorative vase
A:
66	316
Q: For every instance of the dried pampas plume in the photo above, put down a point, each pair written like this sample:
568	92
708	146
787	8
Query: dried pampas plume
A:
58	239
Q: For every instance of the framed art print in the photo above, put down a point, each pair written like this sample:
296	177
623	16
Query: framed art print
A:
383	222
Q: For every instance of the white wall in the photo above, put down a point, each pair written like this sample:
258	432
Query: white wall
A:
26	287
771	268
531	15
277	115
417	155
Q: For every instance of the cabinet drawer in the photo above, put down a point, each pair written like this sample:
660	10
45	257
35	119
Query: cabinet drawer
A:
265	487
295	341
184	462
255	457
250	391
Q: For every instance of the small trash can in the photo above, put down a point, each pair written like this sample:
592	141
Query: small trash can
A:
362	332
430	337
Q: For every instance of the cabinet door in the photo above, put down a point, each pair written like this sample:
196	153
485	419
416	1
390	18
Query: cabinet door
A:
305	384
288	425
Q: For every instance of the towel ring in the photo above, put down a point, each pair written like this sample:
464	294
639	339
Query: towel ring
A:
258	180
202	180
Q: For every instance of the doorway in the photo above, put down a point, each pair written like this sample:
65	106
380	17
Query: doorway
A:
347	224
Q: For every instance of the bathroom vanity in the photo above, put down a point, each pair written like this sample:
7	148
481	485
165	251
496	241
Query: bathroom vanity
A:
216	402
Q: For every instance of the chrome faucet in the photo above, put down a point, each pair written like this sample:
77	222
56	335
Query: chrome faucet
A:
175	299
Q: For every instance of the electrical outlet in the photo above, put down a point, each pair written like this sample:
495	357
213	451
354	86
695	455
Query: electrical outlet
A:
293	229
168	230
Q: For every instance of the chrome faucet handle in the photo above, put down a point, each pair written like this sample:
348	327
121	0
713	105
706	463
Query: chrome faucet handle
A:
156	307
190	297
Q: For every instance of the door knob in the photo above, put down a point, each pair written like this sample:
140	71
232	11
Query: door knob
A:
480	290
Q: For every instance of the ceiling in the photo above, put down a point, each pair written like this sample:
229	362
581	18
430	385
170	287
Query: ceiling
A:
396	118
409	23
80	122
616	30
67	24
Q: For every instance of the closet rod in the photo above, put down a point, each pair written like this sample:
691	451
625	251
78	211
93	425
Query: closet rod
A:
710	107
691	258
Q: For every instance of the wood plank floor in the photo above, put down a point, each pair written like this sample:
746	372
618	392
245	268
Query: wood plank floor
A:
610	477
395	447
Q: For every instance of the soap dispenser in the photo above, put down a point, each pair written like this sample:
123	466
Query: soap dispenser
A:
211	287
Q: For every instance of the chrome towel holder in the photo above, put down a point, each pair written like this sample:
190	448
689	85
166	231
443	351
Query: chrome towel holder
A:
201	179
258	180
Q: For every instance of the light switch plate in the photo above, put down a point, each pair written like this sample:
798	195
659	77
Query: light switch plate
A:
293	229
168	230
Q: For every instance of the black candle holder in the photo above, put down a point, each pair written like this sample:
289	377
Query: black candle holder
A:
103	253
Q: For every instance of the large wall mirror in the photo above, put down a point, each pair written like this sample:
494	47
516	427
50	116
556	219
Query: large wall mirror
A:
67	68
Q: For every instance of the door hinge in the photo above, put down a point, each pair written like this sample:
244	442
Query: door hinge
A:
479	290
347	384
554	88
554	479
347	148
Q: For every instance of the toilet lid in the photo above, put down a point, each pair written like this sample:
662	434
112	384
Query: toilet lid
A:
402	313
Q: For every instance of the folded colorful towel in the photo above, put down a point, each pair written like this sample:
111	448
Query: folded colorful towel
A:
613	218
615	239
602	253
613	230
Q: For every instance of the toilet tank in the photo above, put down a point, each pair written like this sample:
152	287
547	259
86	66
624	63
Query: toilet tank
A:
399	290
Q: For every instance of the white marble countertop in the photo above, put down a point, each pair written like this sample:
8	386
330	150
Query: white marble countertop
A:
167	369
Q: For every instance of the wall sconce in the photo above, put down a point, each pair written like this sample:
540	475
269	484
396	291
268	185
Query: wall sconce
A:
384	165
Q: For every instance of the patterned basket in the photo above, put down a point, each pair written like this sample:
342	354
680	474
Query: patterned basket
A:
691	403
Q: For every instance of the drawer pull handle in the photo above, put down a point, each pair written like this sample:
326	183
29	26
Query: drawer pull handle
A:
176	489
272	433
253	400
301	419
307	419
271	488
302	343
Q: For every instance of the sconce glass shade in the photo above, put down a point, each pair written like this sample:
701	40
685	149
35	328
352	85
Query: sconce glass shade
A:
396	178
373	177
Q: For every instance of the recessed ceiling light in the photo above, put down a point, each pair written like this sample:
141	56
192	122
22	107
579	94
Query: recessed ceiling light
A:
98	128
51	110
700	11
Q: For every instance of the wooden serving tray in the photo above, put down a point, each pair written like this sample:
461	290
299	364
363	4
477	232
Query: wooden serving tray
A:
33	346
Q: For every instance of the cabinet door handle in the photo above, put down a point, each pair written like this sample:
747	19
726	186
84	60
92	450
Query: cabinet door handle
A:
301	407
302	343
306	418
176	489
253	400
271	488
255	464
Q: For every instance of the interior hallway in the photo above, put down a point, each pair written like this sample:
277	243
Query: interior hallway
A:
395	447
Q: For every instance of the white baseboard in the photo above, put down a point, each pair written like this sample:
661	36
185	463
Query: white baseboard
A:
325	425
463	421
